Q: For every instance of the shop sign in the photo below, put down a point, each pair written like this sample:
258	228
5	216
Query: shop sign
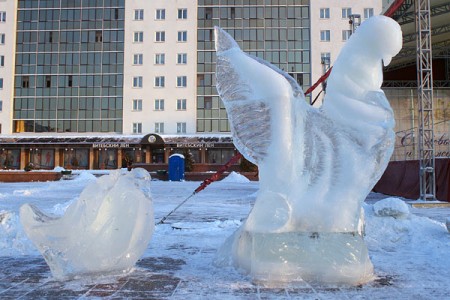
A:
441	143
195	145
110	145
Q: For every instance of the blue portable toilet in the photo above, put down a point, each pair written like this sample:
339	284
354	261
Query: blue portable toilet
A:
176	167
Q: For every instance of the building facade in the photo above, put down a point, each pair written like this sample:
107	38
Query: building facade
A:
83	69
277	31
330	29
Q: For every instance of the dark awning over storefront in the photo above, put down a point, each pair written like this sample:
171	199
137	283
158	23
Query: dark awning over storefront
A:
149	139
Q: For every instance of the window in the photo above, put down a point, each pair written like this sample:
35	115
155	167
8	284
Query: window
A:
159	104
182	13
137	81
160	58
346	12
160	14
208	13
137	127
2	38
1	105
181	104
1	82
138	14
138	37
137	104
25	82
325	35
98	36
208	102
346	34
182	36
368	12
159	81
182	58
200	79
160	36
2	60
2	16
181	127
324	13
159	127
138	59
181	81
48	81
325	58
69	80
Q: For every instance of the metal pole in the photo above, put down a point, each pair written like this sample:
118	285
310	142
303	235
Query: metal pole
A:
425	101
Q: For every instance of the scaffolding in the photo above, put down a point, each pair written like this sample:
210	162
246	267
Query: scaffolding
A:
425	100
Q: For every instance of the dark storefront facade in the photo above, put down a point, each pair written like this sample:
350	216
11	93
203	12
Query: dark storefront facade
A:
113	152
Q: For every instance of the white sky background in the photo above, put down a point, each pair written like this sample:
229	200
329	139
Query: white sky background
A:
413	252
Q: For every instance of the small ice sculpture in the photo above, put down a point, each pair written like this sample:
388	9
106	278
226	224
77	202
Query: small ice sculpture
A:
105	231
316	166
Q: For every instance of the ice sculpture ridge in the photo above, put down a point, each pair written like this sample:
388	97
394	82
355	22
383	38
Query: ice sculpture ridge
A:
105	231
316	166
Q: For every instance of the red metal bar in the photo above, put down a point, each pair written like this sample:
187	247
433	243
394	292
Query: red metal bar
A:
393	8
321	79
216	175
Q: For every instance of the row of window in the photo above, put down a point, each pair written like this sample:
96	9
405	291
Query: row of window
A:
158	104
160	36
138	81
325	35
160	59
160	14
346	13
89	80
254	12
97	36
159	127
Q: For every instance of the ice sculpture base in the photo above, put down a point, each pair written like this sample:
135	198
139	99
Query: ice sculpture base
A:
274	259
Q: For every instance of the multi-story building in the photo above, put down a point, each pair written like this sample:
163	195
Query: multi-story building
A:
125	69
277	31
330	29
7	61
159	67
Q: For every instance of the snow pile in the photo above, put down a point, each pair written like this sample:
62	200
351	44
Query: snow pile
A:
106	230
13	240
304	224
447	223
420	238
234	177
85	175
391	207
58	169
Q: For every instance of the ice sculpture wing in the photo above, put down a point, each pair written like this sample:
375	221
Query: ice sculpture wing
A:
251	89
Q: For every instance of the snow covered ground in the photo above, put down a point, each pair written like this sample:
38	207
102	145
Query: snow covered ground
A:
410	253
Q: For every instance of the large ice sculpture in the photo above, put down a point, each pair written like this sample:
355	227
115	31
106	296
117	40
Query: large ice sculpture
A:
105	231
316	166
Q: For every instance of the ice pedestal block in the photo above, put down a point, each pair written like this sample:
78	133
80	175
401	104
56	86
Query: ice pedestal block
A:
316	165
293	257
105	231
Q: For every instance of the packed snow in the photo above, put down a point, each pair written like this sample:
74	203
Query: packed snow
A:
234	177
391	207
107	229
410	255
307	219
